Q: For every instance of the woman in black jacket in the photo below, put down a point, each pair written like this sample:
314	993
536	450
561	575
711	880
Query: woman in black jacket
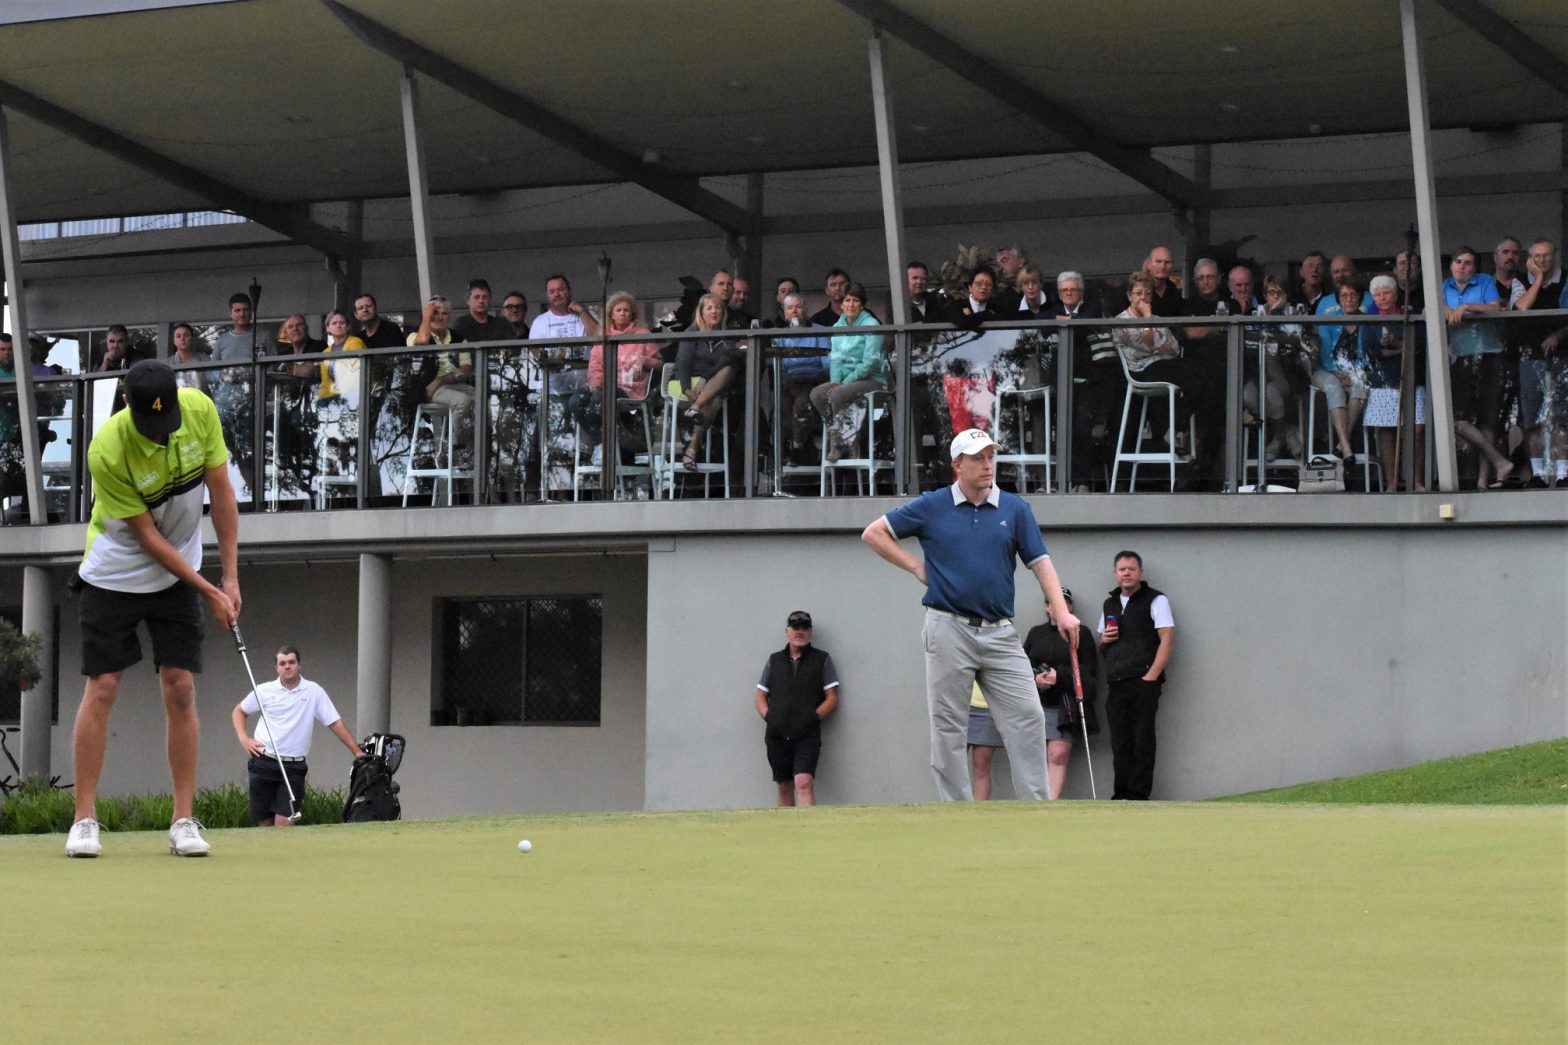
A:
1053	677
706	371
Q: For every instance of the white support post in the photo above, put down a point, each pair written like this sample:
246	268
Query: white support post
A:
418	186
1440	397
38	618
16	300
893	230
887	166
373	710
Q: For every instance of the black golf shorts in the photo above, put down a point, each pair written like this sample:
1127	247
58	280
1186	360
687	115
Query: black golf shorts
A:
790	758
268	796
109	619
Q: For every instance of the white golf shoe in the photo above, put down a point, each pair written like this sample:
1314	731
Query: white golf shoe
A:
185	838
83	839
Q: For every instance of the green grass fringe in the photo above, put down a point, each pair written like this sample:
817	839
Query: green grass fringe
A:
37	809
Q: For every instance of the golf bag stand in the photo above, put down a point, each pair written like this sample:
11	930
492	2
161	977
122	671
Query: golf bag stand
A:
372	793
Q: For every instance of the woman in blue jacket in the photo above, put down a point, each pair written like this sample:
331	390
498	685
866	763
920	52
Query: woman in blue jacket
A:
856	366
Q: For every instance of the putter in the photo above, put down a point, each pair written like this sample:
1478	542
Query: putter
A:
294	812
1082	718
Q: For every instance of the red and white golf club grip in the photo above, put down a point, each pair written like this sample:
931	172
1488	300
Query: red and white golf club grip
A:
1077	676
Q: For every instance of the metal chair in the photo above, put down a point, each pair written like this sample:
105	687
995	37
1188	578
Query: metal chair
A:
641	464
433	422
1147	390
1021	460
668	462
877	404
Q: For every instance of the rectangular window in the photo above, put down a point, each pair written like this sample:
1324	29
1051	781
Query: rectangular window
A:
518	661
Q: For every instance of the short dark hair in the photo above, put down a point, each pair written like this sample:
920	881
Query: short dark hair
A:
1463	249
1314	254
783	280
1127	553
981	270
241	298
515	294
289	650
856	291
367	294
119	328
479	284
832	273
558	276
918	265
6	339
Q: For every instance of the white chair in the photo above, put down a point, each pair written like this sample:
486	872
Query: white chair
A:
877	405
432	422
1367	463
668	462
641	465
1020	460
1147	390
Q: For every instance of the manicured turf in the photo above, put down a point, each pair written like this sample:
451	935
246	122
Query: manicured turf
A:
1072	921
1535	774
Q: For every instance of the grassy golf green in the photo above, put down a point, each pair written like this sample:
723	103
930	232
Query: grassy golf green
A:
1533	774
1005	922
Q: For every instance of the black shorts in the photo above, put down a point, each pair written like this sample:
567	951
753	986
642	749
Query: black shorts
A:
1480	389
109	619
268	796
790	758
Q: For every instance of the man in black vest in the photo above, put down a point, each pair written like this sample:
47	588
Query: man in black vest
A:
798	689
1137	634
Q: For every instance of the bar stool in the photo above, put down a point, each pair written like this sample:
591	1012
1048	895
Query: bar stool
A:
641	465
1021	460
876	403
669	460
433	422
1147	390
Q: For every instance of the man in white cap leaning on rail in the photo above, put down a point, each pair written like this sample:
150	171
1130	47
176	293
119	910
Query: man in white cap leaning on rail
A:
970	534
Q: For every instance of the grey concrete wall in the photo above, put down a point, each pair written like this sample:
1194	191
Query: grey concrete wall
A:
449	770
1301	654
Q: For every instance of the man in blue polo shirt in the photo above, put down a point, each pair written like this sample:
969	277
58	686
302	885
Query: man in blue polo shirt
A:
971	533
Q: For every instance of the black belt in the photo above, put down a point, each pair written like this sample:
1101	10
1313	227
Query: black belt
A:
973	622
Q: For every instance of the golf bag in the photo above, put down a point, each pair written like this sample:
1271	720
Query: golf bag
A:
372	794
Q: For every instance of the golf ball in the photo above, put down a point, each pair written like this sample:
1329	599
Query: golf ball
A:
524	846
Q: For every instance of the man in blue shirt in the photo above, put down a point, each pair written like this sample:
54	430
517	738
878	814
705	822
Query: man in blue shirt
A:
1479	386
971	533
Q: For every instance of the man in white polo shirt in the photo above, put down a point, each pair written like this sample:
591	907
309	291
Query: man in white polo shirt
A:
293	704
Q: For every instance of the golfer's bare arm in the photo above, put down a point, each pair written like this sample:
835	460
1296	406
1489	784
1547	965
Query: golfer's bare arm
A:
155	544
882	541
1162	656
762	703
251	745
225	515
340	731
829	702
1051	588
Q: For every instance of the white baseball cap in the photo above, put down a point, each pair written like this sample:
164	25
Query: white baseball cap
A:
971	441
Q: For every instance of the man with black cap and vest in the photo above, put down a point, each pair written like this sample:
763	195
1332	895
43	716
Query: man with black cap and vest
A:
973	536
798	689
1137	635
150	464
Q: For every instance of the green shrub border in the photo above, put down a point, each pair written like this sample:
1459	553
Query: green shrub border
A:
36	809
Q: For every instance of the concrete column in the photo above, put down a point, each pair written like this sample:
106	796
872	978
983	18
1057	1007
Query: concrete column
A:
1439	394
38	617
373	712
418	186
27	402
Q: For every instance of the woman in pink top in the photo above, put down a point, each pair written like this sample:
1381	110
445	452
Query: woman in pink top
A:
635	362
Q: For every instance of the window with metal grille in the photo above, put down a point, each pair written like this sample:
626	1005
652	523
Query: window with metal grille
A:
518	661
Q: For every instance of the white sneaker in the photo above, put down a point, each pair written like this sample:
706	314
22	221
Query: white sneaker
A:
185	838
83	839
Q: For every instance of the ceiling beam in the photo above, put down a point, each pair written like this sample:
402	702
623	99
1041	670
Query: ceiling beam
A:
291	220
1029	103
1511	40
684	192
